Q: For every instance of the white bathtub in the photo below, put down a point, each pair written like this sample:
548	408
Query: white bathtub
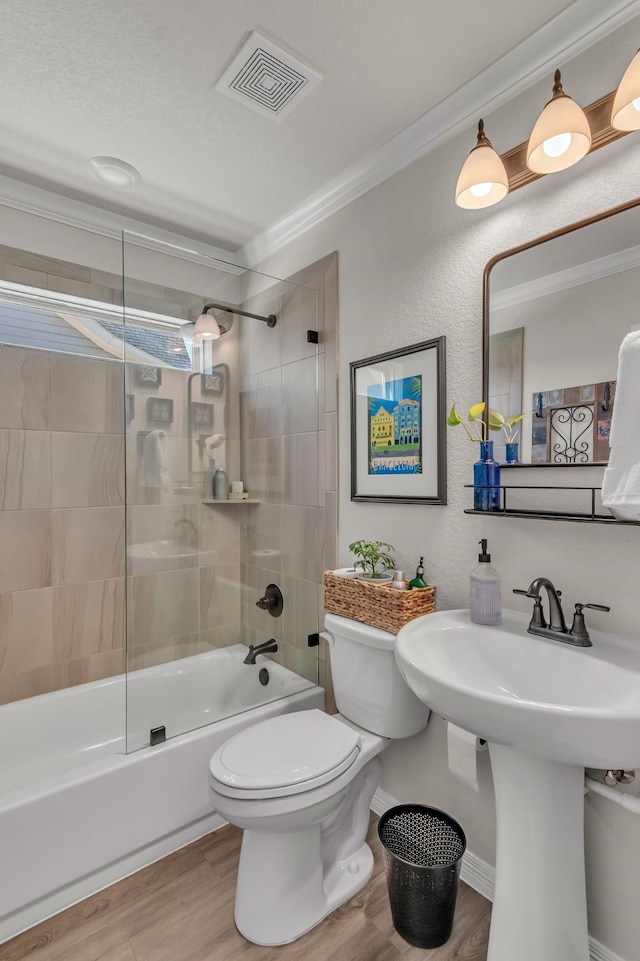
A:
78	813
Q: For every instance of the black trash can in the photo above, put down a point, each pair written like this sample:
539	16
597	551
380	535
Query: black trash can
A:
423	848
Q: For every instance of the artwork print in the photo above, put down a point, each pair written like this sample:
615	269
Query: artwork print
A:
394	420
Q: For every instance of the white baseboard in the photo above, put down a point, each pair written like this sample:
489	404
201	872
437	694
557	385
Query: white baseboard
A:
480	876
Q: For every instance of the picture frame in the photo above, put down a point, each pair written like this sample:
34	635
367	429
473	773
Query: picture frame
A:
398	448
201	415
145	376
159	410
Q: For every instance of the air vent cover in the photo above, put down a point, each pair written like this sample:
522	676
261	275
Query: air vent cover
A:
266	78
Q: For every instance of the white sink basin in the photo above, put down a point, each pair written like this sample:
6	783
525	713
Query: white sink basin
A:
571	704
548	710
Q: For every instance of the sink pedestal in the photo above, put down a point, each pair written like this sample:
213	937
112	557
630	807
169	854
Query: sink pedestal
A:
539	908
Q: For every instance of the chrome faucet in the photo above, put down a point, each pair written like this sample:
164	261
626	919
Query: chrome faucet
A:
267	647
557	626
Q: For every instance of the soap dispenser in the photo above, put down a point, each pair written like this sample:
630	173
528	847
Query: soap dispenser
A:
418	580
485	598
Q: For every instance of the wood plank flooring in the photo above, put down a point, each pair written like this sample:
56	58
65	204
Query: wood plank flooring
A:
181	909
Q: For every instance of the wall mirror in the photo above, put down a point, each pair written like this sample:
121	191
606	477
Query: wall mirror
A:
555	313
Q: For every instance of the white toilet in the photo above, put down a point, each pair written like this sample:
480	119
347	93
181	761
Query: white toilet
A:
301	785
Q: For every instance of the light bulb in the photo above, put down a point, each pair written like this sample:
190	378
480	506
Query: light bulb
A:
480	190
556	146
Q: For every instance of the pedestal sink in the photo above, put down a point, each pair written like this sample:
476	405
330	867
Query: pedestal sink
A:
548	710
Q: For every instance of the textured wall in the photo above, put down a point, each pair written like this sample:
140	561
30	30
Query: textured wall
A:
411	268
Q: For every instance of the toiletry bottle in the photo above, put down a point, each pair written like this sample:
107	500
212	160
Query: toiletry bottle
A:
418	580
398	582
220	485
485	599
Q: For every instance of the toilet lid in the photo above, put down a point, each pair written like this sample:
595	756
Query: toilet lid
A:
287	754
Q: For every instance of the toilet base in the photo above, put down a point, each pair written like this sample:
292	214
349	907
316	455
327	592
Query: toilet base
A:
270	917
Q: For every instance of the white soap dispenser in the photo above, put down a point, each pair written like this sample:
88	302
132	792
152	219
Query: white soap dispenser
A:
485	599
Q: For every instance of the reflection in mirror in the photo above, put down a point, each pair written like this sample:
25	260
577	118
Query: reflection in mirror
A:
555	313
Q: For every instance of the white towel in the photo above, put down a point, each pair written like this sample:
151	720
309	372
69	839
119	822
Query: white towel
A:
154	461
621	481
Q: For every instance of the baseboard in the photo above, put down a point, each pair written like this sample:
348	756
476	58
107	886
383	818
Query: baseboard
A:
480	876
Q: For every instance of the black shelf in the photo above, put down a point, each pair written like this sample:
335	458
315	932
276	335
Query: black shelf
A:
581	517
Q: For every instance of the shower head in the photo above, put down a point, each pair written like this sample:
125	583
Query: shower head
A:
208	327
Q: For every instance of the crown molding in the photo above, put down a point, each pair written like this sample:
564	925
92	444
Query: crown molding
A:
614	263
574	30
105	223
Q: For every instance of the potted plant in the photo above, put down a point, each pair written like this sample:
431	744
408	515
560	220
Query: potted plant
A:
374	559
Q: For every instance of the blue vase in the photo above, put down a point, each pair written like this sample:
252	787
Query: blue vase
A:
486	479
512	452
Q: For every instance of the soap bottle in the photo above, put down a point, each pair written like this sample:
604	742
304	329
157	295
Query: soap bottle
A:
398	582
485	598
220	485
418	580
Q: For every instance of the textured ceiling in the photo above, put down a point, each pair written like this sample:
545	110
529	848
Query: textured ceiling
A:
135	79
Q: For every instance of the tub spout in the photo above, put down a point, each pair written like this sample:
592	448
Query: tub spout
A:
266	648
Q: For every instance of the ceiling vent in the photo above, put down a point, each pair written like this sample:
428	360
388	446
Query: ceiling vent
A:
266	78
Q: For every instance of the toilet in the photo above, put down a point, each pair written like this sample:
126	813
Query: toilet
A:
301	784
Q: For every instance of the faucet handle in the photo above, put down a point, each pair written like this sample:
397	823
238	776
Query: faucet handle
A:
518	590
594	607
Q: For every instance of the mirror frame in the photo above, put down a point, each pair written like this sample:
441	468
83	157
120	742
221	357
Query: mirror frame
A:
486	293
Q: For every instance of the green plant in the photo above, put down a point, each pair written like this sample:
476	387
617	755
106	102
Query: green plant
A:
476	429
373	557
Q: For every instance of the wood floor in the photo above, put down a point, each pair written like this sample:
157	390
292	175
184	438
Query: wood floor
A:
181	909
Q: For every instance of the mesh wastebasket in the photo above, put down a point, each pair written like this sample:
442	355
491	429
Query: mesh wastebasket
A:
423	848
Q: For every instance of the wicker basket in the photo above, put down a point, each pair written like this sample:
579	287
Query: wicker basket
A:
377	604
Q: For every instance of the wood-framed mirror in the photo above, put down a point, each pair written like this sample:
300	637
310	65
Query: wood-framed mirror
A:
555	311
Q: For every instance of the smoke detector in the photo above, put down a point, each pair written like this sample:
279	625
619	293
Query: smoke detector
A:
266	78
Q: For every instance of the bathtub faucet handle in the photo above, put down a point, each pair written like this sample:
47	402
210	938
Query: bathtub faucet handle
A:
272	601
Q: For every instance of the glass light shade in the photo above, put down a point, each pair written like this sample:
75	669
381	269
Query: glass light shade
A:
561	135
625	112
483	179
206	328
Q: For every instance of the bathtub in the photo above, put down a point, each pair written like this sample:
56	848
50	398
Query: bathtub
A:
77	812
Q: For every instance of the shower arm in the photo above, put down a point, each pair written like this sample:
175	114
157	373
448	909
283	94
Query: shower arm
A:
270	321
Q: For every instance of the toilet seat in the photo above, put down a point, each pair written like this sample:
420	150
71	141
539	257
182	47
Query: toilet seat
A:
284	755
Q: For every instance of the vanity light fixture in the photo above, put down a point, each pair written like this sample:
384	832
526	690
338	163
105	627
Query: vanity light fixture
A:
625	113
207	327
483	179
561	135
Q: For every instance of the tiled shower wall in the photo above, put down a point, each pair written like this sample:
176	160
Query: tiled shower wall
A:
289	423
62	540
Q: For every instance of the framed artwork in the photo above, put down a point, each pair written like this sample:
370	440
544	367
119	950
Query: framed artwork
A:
398	450
147	376
212	383
160	410
202	415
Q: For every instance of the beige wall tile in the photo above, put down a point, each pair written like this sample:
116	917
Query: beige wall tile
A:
302	542
300	396
15	687
88	544
264	468
78	288
25	469
25	546
83	670
86	395
23	275
24	388
222	636
299	313
220	596
26	636
87	470
163	606
331	452
88	619
329	558
302	662
264	536
302	470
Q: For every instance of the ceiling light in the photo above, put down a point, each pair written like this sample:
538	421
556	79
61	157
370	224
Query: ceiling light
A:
561	135
114	172
483	179
625	113
206	327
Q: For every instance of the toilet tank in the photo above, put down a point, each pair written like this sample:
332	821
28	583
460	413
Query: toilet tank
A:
369	689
